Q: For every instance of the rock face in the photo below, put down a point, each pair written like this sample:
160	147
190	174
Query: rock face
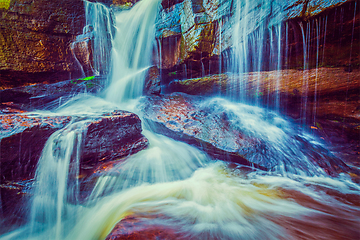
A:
47	96
152	81
238	133
323	88
35	39
197	37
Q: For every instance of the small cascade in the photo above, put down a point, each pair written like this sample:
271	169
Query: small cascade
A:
56	182
257	34
92	48
132	48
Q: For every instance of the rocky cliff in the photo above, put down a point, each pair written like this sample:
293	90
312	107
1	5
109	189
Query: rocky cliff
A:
35	37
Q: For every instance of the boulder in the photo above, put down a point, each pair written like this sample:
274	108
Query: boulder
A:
23	136
226	131
113	136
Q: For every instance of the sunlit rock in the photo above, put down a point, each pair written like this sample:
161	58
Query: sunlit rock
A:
35	39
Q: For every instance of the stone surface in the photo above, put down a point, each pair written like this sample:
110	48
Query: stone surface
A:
23	137
333	112
152	81
35	39
141	227
321	81
196	36
112	137
47	96
225	134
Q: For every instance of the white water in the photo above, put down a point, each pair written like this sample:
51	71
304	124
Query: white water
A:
132	49
198	197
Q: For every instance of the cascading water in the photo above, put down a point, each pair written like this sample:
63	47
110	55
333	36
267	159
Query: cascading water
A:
254	22
132	48
177	187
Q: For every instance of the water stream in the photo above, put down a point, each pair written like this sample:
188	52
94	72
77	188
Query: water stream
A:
173	187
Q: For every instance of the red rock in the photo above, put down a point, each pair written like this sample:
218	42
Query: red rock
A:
112	137
23	138
140	227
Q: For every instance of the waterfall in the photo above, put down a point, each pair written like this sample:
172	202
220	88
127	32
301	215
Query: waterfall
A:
254	22
132	48
173	187
56	182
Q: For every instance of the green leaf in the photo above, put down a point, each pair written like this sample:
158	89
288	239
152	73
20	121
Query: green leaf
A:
87	78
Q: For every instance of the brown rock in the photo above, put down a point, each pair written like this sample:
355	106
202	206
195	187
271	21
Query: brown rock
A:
35	39
152	81
141	227
113	137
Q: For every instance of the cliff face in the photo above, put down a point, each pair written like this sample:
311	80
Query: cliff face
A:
35	37
195	35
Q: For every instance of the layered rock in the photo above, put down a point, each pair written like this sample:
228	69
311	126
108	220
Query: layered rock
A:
197	37
35	39
328	91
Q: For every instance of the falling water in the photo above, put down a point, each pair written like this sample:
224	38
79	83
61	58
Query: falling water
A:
175	186
253	23
132	48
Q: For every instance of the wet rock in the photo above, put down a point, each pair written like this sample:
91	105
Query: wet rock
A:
182	118
142	227
309	8
82	50
328	91
111	137
35	40
152	81
321	81
219	129
13	205
48	96
195	35
23	137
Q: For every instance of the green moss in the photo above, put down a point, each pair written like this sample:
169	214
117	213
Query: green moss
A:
5	4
